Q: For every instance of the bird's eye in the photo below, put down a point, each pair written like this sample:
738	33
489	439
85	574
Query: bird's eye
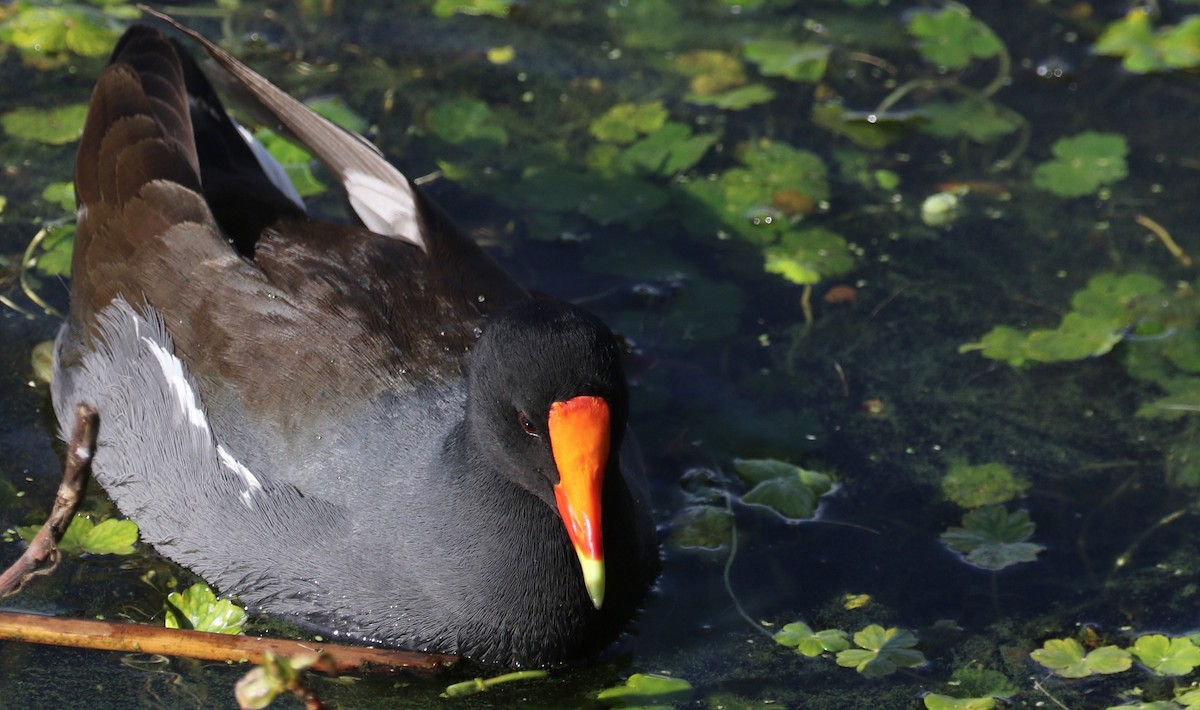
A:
526	425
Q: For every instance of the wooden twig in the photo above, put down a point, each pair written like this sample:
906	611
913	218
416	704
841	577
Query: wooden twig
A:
44	546
335	659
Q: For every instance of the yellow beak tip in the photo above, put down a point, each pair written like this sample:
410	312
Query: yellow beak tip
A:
593	579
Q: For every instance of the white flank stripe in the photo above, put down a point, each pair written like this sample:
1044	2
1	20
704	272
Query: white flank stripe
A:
172	370
236	466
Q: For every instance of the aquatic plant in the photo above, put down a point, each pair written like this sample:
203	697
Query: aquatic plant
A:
48	34
1083	163
881	651
1100	317
992	538
791	491
108	537
702	527
479	685
800	636
1066	657
646	690
496	8
935	701
55	126
1166	656
985	484
1144	49
198	608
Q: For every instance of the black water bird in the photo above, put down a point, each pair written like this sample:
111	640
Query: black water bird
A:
372	430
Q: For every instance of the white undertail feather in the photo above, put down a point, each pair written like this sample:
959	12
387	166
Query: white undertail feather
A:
380	194
385	207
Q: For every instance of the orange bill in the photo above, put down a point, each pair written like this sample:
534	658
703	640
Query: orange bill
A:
579	440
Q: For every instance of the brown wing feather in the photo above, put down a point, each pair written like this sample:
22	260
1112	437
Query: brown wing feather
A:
393	315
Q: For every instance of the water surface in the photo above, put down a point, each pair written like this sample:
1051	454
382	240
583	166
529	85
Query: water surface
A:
502	112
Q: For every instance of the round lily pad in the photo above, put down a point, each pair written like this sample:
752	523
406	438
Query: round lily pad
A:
1083	163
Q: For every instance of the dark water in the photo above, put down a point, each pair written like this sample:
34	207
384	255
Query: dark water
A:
722	362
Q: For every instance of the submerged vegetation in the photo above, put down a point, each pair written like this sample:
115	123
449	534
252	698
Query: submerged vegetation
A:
880	240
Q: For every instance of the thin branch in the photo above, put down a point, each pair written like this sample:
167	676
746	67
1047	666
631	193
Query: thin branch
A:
335	659
44	547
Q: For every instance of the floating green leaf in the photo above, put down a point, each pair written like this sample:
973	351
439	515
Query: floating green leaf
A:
800	636
495	8
297	162
754	471
735	99
337	110
72	539
809	256
1066	658
712	71
985	484
642	689
56	126
1143	50
798	62
786	496
1083	163
624	122
1188	697
1102	312
78	29
1180	45
650	24
881	651
868	130
1079	336
1132	37
1167	656
790	491
54	253
934	701
702	527
778	185
464	120
1001	343
199	609
667	151
109	537
974	681
61	194
978	119
952	38
275	676
993	539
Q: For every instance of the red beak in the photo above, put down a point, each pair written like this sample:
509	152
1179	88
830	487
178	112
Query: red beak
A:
579	440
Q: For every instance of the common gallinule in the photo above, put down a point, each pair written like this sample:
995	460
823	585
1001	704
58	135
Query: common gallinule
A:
375	432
